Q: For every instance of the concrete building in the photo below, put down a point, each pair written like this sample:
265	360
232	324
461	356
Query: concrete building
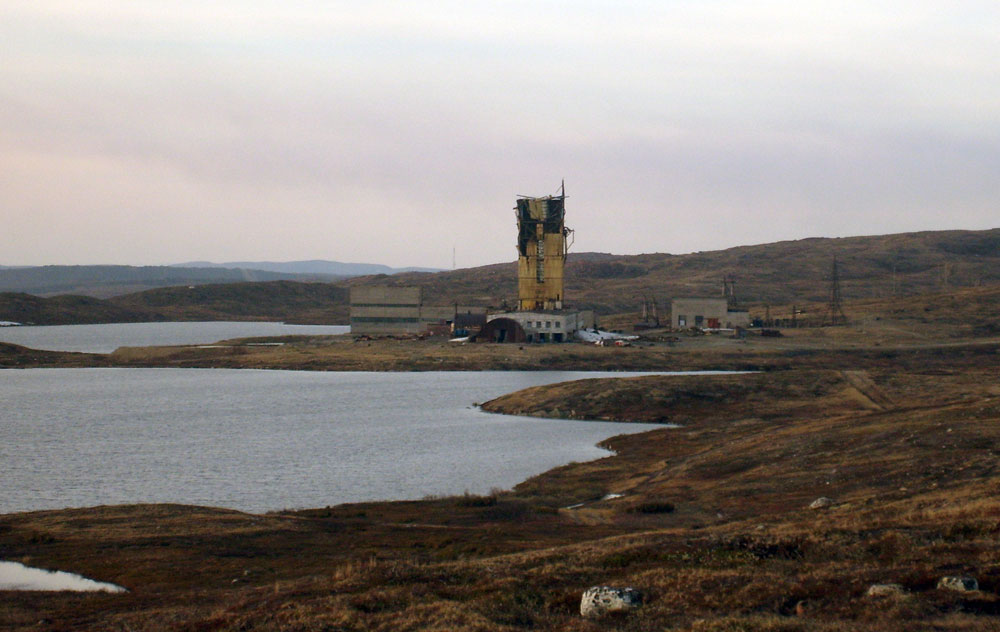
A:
707	313
541	250
384	310
551	326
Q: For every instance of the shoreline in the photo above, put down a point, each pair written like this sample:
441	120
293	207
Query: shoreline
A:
311	354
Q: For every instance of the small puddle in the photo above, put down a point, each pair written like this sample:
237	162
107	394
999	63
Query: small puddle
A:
15	576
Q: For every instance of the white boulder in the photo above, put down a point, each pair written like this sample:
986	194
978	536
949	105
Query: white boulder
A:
822	503
598	601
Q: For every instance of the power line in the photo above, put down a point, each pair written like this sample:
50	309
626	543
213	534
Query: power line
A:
835	311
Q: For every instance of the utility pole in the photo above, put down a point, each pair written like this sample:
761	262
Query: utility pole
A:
835	310
729	290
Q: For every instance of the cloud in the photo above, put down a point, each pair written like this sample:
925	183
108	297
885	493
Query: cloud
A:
423	121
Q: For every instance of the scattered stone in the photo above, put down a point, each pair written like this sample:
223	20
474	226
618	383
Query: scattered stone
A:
822	503
598	601
958	583
885	590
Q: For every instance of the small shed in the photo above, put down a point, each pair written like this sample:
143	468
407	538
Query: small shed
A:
501	330
468	324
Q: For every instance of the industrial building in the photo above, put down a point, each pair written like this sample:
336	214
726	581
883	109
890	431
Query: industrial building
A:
541	248
706	313
543	242
385	310
540	326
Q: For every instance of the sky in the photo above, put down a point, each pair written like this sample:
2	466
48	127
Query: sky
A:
146	132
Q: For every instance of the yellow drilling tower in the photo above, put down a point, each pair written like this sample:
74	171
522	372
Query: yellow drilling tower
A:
542	246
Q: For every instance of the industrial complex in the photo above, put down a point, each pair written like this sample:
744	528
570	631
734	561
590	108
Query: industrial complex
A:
542	245
542	313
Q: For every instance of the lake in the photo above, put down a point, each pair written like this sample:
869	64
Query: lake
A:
108	337
267	440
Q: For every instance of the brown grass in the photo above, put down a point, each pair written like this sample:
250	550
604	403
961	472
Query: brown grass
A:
904	439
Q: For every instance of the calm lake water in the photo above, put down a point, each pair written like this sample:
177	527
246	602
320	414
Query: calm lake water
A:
107	338
266	440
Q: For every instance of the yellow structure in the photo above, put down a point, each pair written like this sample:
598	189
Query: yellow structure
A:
542	248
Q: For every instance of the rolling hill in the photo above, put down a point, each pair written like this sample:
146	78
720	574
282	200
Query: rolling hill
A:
777	273
782	273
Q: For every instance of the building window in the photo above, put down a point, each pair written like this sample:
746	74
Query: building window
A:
558	325
682	320
540	266
548	324
699	321
538	324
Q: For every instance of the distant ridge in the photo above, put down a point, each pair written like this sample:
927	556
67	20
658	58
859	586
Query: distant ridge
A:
107	280
313	266
885	267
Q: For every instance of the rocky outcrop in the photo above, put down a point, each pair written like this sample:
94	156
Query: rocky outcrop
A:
885	590
958	583
599	601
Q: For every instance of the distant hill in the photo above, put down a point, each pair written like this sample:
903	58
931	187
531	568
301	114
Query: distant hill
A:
104	281
783	273
316	266
65	310
287	301
107	281
313	303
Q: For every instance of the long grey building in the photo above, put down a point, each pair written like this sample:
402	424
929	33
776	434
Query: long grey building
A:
386	310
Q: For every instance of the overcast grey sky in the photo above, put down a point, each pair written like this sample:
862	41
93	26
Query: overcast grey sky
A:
146	132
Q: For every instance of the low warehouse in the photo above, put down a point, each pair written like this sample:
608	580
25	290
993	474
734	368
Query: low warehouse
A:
706	313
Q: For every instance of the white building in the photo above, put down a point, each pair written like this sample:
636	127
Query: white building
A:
549	326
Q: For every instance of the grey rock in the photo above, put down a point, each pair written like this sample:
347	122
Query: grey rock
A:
885	590
598	601
822	503
959	583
